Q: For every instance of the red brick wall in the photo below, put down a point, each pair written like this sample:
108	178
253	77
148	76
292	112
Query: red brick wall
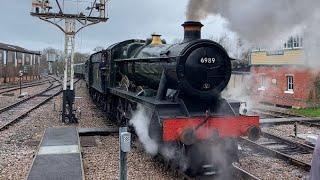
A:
274	93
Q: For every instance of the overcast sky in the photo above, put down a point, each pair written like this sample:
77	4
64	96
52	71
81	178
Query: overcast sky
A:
128	19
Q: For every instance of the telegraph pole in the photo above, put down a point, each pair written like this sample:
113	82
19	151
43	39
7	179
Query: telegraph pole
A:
70	24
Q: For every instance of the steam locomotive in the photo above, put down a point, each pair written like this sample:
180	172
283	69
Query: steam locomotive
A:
179	85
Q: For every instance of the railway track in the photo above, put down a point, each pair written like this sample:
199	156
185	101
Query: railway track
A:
27	85
270	113
236	172
294	144
243	174
310	124
18	110
313	122
280	148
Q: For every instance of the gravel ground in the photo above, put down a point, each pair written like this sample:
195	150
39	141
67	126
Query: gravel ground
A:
268	168
307	158
7	100
302	157
287	131
19	143
102	161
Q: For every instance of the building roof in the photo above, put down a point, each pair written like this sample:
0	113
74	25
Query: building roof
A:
281	57
14	48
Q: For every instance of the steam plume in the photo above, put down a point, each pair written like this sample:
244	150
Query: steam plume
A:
141	121
264	23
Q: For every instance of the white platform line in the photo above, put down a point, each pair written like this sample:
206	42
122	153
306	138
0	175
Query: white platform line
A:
67	149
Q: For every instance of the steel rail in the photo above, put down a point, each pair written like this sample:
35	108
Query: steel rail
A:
24	86
276	154
30	110
17	85
2	127
270	113
243	174
237	172
26	99
287	141
309	123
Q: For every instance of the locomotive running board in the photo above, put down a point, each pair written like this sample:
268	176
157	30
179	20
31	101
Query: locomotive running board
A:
146	101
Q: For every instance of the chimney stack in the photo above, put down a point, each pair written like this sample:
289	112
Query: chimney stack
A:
192	30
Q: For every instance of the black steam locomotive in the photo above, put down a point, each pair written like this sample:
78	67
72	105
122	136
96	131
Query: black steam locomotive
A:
179	85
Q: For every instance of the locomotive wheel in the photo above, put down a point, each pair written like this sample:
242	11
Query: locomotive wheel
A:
113	104
119	113
217	156
122	118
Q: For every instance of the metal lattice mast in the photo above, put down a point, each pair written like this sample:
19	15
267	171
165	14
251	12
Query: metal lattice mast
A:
70	24
69	47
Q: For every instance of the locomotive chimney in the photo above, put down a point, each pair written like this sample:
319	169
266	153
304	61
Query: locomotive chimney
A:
192	30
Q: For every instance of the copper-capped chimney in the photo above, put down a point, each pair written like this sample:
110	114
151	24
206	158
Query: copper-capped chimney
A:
192	30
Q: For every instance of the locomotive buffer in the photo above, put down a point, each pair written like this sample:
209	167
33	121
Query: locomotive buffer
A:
70	24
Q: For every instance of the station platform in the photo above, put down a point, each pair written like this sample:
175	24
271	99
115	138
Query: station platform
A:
58	157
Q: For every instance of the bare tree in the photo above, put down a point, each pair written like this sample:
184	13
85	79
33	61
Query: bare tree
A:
80	57
98	48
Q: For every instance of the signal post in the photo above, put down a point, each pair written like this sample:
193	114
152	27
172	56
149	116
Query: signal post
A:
70	24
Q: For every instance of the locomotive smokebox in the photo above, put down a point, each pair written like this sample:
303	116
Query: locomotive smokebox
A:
192	30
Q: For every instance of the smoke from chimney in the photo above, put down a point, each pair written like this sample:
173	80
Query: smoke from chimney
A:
263	23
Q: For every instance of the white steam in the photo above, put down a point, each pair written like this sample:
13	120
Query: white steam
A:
266	24
217	29
240	91
141	121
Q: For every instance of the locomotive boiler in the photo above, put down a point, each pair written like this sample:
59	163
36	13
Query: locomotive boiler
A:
198	68
179	85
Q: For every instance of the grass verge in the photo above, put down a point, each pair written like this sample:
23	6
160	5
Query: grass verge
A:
309	112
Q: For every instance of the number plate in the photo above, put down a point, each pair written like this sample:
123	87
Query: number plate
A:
206	60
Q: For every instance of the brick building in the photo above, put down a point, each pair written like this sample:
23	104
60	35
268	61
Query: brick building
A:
14	59
281	78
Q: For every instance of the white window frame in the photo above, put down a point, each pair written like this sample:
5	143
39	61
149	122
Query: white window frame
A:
5	57
295	42
290	84
262	81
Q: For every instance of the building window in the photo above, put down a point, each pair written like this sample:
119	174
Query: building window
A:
10	58
290	84
275	53
19	58
294	42
27	60
262	82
